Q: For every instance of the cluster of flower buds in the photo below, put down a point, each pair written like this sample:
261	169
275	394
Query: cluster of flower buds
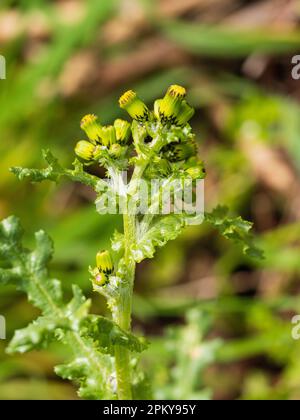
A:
104	268
170	115
172	112
112	137
172	109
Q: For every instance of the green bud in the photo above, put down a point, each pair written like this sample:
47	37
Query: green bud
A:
100	279
176	152
196	172
104	262
108	135
85	150
123	130
116	150
185	114
134	106
169	107
91	127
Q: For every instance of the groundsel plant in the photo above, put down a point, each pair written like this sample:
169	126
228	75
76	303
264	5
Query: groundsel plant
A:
157	145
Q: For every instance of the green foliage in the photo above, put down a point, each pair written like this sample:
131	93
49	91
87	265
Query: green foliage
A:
162	231
188	352
225	41
55	171
235	229
104	363
90	337
47	53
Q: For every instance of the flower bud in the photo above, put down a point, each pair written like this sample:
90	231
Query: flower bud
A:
104	262
180	151
108	135
123	130
116	150
91	127
134	106
169	107
85	150
100	279
196	172
185	114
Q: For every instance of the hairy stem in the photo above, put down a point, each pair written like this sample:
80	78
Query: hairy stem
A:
123	313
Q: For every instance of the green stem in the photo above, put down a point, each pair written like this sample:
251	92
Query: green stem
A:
123	313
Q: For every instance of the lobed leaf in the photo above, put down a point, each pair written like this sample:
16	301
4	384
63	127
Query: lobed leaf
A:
107	334
55	171
92	365
235	229
163	230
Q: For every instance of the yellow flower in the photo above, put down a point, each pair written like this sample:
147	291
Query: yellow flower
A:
108	135
134	106
91	127
104	262
168	108
123	130
85	150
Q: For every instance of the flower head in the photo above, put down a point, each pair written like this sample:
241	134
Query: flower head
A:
91	127
176	152
168	108
85	150
108	135
100	279
104	262
123	130
134	106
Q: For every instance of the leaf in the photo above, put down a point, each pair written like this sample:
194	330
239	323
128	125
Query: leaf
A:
189	353
92	370
163	230
37	335
235	229
107	335
55	171
91	367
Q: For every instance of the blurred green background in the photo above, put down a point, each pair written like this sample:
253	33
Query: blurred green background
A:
220	323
